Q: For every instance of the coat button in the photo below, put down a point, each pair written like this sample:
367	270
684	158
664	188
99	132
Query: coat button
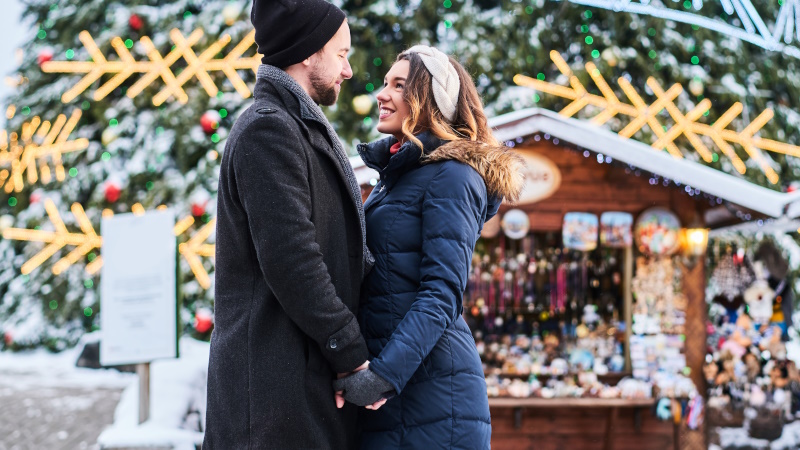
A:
266	110
333	344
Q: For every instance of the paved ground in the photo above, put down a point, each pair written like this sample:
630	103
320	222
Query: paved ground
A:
46	417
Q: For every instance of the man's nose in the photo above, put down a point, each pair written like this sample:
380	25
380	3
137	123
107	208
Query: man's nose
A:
347	71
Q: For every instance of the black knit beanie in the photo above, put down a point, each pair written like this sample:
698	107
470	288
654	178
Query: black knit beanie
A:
289	31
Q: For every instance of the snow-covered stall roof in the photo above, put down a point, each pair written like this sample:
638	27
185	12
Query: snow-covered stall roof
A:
527	122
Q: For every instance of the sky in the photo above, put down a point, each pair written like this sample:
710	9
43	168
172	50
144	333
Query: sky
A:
12	35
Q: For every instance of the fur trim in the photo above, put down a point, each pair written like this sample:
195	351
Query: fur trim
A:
501	168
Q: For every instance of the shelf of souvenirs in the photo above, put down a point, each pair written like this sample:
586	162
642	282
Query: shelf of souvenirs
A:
589	385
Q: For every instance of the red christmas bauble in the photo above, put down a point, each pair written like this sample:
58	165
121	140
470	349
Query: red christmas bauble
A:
210	121
112	192
198	209
8	338
135	22
35	197
203	321
44	56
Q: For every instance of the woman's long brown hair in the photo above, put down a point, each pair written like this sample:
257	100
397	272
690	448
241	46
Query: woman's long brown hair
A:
470	122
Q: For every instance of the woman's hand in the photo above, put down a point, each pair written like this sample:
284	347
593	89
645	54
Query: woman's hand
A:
338	395
361	387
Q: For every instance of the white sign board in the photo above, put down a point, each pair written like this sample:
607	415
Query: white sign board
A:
138	303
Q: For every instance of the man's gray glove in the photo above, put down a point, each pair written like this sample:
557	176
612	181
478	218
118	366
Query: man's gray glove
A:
364	387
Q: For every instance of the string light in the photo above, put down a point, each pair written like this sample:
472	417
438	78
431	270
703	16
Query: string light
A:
642	114
198	66
751	27
20	153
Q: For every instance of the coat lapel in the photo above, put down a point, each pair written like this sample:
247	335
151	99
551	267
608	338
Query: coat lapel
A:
317	135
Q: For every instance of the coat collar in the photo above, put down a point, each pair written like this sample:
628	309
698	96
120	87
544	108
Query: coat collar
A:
376	155
267	91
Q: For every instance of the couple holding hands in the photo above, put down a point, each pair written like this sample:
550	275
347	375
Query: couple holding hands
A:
338	324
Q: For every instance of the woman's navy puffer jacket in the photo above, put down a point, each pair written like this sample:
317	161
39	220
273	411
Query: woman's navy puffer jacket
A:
423	219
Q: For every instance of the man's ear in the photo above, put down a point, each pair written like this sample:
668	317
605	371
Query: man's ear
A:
306	62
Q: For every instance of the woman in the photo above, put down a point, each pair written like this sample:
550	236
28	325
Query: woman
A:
443	176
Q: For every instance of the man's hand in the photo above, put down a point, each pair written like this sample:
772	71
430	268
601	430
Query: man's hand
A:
340	398
338	395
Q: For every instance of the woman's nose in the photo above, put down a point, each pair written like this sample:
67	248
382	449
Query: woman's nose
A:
383	96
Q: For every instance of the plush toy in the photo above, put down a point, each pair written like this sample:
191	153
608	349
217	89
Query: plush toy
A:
759	296
742	337
777	268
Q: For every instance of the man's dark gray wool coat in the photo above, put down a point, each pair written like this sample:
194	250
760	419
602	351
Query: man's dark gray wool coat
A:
288	275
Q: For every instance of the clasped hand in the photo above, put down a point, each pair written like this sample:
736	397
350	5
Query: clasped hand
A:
358	387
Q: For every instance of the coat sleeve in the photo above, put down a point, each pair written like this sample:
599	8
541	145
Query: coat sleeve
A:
272	179
451	214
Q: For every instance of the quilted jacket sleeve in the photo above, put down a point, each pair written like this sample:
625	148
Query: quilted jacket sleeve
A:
452	211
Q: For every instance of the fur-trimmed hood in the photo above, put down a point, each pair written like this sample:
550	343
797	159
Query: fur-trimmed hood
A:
501	169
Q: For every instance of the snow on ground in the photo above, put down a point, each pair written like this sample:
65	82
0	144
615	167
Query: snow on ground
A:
177	404
177	392
43	368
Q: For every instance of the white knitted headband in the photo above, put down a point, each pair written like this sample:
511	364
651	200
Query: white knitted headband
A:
445	78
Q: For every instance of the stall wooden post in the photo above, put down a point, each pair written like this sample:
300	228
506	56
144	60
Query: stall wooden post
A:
627	309
694	286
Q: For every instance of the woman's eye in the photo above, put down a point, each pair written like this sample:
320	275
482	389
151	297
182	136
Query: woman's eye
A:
399	85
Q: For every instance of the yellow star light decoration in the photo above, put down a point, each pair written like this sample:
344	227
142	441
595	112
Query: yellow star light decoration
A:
158	66
38	142
196	247
643	114
88	240
58	239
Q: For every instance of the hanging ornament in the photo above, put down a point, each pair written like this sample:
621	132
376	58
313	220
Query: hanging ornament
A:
210	121
203	320
657	232
45	55
198	209
112	192
109	135
516	224
8	338
696	87
231	13
6	221
135	22
35	197
362	104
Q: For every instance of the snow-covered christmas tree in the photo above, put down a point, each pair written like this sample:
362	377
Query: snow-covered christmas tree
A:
153	137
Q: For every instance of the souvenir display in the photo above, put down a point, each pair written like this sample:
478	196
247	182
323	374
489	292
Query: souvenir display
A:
616	229
657	232
580	231
515	224
753	388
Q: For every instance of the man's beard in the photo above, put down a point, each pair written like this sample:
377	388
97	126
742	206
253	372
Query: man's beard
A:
322	91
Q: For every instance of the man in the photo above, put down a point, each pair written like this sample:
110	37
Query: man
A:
291	251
